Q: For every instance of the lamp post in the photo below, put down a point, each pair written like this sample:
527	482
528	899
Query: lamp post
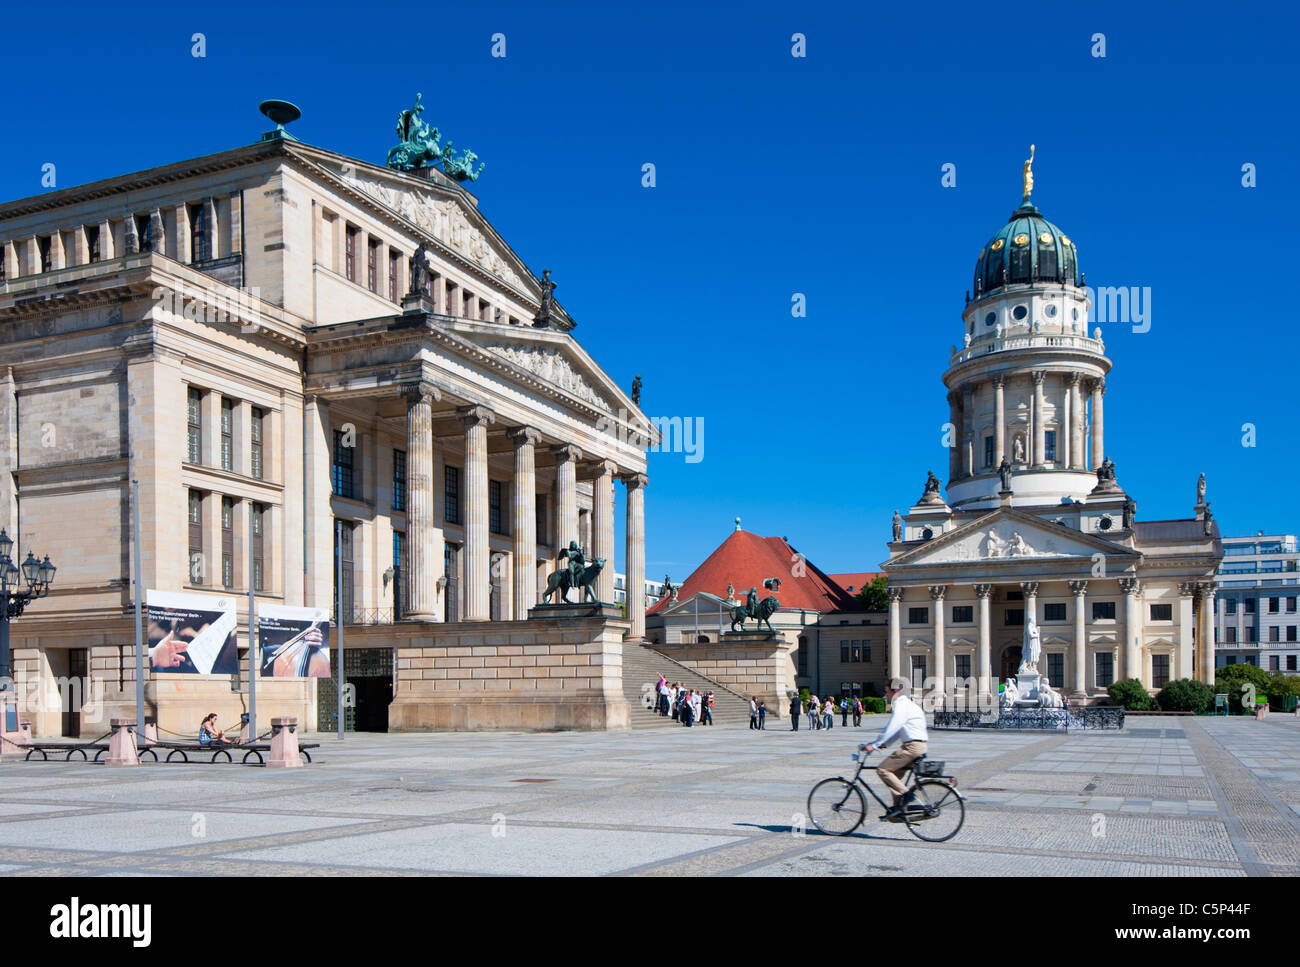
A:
39	575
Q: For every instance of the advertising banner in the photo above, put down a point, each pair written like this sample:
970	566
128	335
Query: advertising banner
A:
294	642
191	633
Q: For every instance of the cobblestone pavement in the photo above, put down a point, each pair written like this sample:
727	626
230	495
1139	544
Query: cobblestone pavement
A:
1168	796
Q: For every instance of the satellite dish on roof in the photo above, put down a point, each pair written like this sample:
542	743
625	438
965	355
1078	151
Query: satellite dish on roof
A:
282	113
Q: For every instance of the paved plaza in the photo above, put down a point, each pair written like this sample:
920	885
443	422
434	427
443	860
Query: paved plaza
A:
1168	796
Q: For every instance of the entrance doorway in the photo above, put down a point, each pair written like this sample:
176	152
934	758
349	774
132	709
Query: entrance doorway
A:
370	673
73	696
1010	662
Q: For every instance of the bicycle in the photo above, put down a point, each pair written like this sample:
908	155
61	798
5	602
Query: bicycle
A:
837	807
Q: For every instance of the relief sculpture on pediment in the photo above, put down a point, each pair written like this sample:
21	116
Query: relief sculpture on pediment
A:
551	366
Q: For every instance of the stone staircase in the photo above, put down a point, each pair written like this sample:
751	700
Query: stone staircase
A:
641	669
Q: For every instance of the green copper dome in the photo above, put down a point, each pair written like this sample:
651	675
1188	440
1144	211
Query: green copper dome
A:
1028	248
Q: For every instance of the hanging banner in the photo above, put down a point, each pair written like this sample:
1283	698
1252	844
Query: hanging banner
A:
192	633
294	642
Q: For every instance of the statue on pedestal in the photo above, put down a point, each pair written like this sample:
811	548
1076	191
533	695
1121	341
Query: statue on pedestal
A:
1004	471
1032	648
568	576
931	494
898	527
420	270
1200	491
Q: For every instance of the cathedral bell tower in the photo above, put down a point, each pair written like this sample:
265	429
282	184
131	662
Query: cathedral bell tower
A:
1025	388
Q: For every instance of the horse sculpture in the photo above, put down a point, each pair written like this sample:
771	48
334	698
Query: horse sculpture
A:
766	608
561	582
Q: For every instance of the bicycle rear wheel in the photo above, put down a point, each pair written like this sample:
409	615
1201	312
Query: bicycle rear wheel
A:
937	813
836	806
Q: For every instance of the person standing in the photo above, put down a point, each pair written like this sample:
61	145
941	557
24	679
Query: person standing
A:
697	706
794	712
706	709
907	723
675	702
844	712
828	711
857	713
814	713
762	716
753	712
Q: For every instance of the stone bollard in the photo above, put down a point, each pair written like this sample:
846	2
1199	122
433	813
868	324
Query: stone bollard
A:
121	747
1261	713
150	732
244	736
284	744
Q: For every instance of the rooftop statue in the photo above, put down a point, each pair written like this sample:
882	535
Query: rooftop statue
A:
462	168
1029	175
418	147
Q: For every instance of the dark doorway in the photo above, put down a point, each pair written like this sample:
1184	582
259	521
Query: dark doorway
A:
1010	662
370	673
74	693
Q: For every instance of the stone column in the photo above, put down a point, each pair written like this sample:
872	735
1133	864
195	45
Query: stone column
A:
423	536
895	632
1098	429
940	656
1080	590
999	420
954	451
211	234
1078	461
968	430
1039	441
1132	631
985	593
183	253
635	537
1065	442
566	494
602	532
1185	667
524	503
478	582
1205	653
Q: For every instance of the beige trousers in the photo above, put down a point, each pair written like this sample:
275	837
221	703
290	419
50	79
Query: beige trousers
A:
896	764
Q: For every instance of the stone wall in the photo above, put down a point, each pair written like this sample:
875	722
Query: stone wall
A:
751	663
544	674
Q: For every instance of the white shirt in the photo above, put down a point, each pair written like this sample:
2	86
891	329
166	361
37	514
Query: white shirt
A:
907	722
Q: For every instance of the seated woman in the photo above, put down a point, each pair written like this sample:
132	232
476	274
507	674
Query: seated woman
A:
209	734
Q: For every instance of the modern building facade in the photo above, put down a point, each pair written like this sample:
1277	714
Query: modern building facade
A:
1256	620
1034	521
302	358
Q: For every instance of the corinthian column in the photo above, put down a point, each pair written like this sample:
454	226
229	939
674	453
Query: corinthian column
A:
423	537
999	420
1080	590
940	658
1040	440
524	529
566	494
602	506
895	595
1077	459
478	581
635	537
985	681
1205	653
1098	440
1132	631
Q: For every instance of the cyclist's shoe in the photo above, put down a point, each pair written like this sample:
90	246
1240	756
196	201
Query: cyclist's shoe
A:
894	814
909	797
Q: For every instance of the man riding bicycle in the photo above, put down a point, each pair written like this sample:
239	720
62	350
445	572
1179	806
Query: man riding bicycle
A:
908	723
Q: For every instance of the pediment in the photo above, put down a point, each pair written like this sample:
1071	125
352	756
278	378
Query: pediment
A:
1010	537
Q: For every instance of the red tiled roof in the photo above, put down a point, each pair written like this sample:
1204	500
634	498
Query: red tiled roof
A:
746	560
857	580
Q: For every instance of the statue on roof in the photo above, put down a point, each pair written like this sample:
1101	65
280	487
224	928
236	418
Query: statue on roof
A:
1004	471
636	390
462	168
418	146
1028	176
546	304
420	270
898	527
1200	491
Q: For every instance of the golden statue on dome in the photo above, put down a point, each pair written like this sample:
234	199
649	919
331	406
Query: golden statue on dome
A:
1029	176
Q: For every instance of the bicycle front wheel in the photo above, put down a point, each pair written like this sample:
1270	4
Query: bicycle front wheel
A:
937	813
836	806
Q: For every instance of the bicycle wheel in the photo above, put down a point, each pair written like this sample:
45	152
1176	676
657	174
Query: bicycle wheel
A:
836	806
937	812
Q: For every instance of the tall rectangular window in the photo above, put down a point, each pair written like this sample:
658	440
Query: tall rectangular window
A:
961	666
1232	635
1250	605
199	233
144	232
1049	446
1230	606
543	536
258	554
1105	669
1159	671
1273	605
1056	668
227	434
227	542
855	651
988	451
350	254
451	495
372	266
343	556
194	416
399	480
399	571
802	655
866	651
1275	633
342	472
1290	632
255	441
844	652
394	274
196	537
44	245
92	243
496	522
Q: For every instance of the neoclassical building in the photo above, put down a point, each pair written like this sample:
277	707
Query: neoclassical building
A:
241	334
1034	521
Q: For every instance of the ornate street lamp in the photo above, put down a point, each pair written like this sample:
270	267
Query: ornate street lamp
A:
38	575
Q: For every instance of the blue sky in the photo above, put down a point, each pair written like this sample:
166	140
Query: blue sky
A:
778	175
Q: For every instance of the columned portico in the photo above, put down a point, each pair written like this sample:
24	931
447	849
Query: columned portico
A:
566	494
940	658
524	529
985	594
424	537
1080	590
478	581
1132	631
635	557
602	532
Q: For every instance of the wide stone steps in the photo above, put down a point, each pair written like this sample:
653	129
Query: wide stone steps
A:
641	669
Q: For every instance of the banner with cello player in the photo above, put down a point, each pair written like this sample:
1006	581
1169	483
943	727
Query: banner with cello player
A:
294	642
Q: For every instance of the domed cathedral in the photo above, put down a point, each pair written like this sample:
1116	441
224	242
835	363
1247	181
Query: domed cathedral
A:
1035	527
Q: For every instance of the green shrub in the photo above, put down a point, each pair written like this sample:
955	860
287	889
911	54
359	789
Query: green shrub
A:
873	705
1186	695
1281	687
1132	695
872	691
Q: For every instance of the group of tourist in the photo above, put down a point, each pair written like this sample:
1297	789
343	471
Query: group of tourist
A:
686	706
821	713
